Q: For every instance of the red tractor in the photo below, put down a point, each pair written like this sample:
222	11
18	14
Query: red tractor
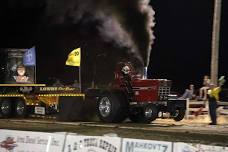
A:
137	98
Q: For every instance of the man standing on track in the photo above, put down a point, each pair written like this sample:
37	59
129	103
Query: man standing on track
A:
213	98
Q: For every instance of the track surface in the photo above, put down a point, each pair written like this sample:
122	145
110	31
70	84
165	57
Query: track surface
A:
192	131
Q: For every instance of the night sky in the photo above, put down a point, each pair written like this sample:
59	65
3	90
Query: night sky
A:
181	49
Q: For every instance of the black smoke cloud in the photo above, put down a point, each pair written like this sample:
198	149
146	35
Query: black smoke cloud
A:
122	28
126	23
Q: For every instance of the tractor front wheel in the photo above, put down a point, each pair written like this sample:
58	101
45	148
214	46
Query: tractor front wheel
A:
179	114
143	114
150	113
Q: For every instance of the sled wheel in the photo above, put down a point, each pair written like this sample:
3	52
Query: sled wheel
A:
6	108
20	108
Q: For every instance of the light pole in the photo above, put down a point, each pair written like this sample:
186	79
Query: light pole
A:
215	41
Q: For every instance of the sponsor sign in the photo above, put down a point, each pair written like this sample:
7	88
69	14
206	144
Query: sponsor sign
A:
92	144
184	147
137	145
40	110
25	141
189	147
29	58
65	89
45	89
208	148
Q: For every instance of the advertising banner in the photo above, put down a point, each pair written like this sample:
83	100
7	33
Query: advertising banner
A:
138	145
190	147
29	58
184	147
26	141
209	148
92	144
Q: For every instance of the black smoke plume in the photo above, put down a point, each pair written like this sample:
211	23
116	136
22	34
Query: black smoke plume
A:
126	23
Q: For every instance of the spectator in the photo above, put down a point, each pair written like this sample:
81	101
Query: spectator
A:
203	90
213	95
189	93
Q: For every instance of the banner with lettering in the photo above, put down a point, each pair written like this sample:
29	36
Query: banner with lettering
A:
209	148
190	147
92	144
138	145
27	141
184	147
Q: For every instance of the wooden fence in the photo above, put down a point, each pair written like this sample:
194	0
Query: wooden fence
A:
196	108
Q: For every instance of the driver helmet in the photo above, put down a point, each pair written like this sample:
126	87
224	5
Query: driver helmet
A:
126	69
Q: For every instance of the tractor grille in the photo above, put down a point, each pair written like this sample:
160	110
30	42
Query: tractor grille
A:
164	89
163	92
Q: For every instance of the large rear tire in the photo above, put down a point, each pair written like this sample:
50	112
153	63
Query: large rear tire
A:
20	108
112	106
6	108
179	114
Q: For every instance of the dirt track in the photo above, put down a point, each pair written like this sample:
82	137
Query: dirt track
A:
194	131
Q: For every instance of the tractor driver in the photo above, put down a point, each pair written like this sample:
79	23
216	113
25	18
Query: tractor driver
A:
126	70
127	79
126	73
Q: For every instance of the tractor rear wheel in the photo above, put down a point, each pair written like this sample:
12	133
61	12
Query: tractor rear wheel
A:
20	108
6	108
179	114
112	106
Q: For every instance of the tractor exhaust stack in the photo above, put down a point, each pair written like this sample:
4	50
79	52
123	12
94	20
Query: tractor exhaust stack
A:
145	73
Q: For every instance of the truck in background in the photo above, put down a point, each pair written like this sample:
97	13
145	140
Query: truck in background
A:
20	96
